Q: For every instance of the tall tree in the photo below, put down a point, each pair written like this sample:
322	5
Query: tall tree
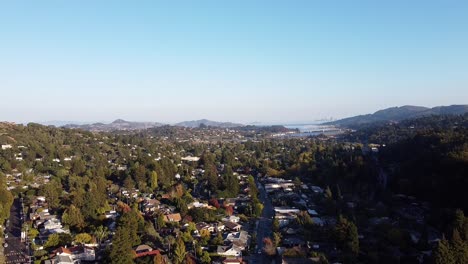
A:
179	252
443	254
153	183
121	249
74	218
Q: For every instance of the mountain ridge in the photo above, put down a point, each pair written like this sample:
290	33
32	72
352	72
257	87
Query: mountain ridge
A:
123	125
396	114
197	123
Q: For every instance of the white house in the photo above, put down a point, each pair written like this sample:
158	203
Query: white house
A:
232	218
231	250
7	146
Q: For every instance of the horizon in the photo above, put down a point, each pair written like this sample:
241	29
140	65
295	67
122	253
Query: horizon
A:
319	121
242	62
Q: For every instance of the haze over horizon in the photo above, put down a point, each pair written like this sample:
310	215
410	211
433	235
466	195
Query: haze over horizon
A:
268	61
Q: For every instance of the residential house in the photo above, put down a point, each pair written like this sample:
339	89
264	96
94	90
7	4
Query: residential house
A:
232	218
6	146
204	226
145	250
230	260
232	226
172	218
240	239
231	250
82	253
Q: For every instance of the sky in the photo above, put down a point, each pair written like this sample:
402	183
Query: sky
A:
241	61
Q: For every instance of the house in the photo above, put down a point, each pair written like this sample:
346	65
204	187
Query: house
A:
82	253
230	260
151	205
232	218
145	250
172	218
239	239
204	226
189	158
286	210
197	204
219	227
7	146
233	226
231	250
53	223
62	259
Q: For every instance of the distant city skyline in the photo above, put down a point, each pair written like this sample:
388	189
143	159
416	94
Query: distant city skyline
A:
242	61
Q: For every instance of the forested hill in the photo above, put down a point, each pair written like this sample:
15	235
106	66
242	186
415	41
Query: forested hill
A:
425	157
395	114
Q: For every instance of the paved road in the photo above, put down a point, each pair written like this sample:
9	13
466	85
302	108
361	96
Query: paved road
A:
264	225
16	251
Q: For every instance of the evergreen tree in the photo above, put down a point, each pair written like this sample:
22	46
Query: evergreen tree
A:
179	251
73	217
346	235
153	181
443	254
459	248
121	249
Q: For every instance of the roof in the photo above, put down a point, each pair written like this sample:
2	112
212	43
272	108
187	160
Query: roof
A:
172	217
148	253
142	248
232	225
230	260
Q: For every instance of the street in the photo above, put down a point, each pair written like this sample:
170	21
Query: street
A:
264	226
16	251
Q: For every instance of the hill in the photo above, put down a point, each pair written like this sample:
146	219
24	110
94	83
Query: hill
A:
197	123
118	124
396	114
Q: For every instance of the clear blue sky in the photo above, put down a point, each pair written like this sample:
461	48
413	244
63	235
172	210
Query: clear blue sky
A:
243	61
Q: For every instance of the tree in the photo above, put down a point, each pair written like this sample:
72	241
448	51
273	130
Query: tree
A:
52	192
276	238
269	247
160	223
73	217
276	225
121	249
52	241
214	202
218	240
153	181
179	252
229	210
459	248
346	235
257	210
55	240
33	233
169	241
158	259
83	238
205	257
443	254
101	233
328	193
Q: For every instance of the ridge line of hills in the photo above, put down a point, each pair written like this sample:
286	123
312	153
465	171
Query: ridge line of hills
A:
392	114
121	124
396	114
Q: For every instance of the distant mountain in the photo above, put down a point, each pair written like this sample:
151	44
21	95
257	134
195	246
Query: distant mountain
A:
197	123
399	113
118	124
59	123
